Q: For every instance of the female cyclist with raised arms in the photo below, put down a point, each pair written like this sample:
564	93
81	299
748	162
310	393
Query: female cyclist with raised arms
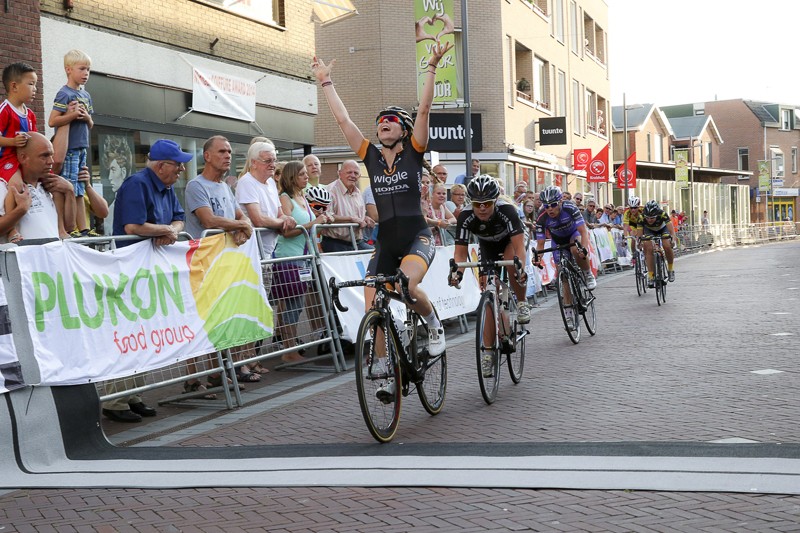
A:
395	174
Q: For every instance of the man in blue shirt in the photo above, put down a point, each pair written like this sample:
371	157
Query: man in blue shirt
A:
146	204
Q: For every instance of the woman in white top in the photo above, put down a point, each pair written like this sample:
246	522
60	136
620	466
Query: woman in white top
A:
438	216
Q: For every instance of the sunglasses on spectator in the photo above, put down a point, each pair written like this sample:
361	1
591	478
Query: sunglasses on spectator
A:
389	118
591	205
477	205
318	207
551	205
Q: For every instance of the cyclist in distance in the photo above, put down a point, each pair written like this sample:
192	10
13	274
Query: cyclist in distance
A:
656	223
632	218
500	232
565	223
395	175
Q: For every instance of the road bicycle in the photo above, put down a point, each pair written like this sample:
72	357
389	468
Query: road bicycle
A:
640	268
392	359
497	312
660	271
573	294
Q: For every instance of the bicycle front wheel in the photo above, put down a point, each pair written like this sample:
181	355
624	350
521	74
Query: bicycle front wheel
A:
433	369
378	377
569	312
641	282
660	279
516	358
486	348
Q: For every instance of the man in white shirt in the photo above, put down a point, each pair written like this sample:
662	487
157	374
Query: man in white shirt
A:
348	207
35	213
257	195
314	169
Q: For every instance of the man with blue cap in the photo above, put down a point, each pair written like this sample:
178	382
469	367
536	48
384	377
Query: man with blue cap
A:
146	205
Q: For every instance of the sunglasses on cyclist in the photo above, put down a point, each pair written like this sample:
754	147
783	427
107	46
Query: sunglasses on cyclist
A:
388	118
551	205
318	207
481	205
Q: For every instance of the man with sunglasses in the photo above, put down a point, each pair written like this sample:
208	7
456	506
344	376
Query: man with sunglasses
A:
500	232
565	224
656	223
347	207
395	174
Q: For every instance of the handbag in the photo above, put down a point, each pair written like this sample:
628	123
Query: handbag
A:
286	282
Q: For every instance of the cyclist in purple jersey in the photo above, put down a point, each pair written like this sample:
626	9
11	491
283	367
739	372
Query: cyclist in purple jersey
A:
565	223
395	171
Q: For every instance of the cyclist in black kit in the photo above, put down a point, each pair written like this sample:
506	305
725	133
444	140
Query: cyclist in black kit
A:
395	175
500	233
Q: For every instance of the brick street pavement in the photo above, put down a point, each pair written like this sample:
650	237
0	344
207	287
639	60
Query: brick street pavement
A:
717	363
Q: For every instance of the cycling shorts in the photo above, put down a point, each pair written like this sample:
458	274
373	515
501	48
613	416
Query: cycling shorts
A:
493	250
389	254
648	234
576	236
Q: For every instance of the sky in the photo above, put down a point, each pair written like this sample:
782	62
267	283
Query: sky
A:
684	51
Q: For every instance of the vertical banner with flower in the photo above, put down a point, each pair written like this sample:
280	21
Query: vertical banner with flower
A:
434	24
682	168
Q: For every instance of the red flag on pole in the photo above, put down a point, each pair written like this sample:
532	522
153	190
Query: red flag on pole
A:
581	158
597	171
627	179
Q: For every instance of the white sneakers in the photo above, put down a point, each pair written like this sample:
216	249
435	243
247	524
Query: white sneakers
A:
591	282
386	390
487	365
523	313
436	341
570	318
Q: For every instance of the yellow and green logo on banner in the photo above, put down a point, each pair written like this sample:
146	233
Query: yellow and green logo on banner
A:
434	23
764	181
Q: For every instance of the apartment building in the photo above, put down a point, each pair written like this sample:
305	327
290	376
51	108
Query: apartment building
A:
178	69
528	60
759	131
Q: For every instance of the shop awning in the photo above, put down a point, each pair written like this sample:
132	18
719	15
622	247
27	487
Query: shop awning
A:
330	11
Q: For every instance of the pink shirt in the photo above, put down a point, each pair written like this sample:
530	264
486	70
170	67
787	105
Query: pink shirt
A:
345	204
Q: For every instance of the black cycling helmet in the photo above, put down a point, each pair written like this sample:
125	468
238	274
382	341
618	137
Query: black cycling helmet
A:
652	209
406	121
551	194
318	195
634	202
484	188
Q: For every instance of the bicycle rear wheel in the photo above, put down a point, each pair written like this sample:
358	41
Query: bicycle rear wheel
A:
485	324
433	369
587	309
573	329
381	416
516	358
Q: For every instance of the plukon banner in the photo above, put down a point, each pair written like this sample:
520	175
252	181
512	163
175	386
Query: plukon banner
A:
10	370
95	316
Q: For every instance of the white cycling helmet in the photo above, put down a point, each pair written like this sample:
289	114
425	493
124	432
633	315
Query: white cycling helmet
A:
318	195
634	202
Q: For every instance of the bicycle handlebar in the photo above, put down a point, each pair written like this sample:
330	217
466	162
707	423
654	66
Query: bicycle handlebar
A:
576	244
376	282
516	263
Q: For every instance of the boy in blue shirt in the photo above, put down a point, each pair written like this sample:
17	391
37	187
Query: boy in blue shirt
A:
73	109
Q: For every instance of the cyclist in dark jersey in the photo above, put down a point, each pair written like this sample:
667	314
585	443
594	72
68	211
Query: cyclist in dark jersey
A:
500	233
395	174
656	223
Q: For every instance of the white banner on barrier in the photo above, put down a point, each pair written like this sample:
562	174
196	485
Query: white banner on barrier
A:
10	371
449	302
95	316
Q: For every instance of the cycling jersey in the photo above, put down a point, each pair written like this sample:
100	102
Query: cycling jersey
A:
658	224
631	220
563	227
501	226
396	190
397	193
